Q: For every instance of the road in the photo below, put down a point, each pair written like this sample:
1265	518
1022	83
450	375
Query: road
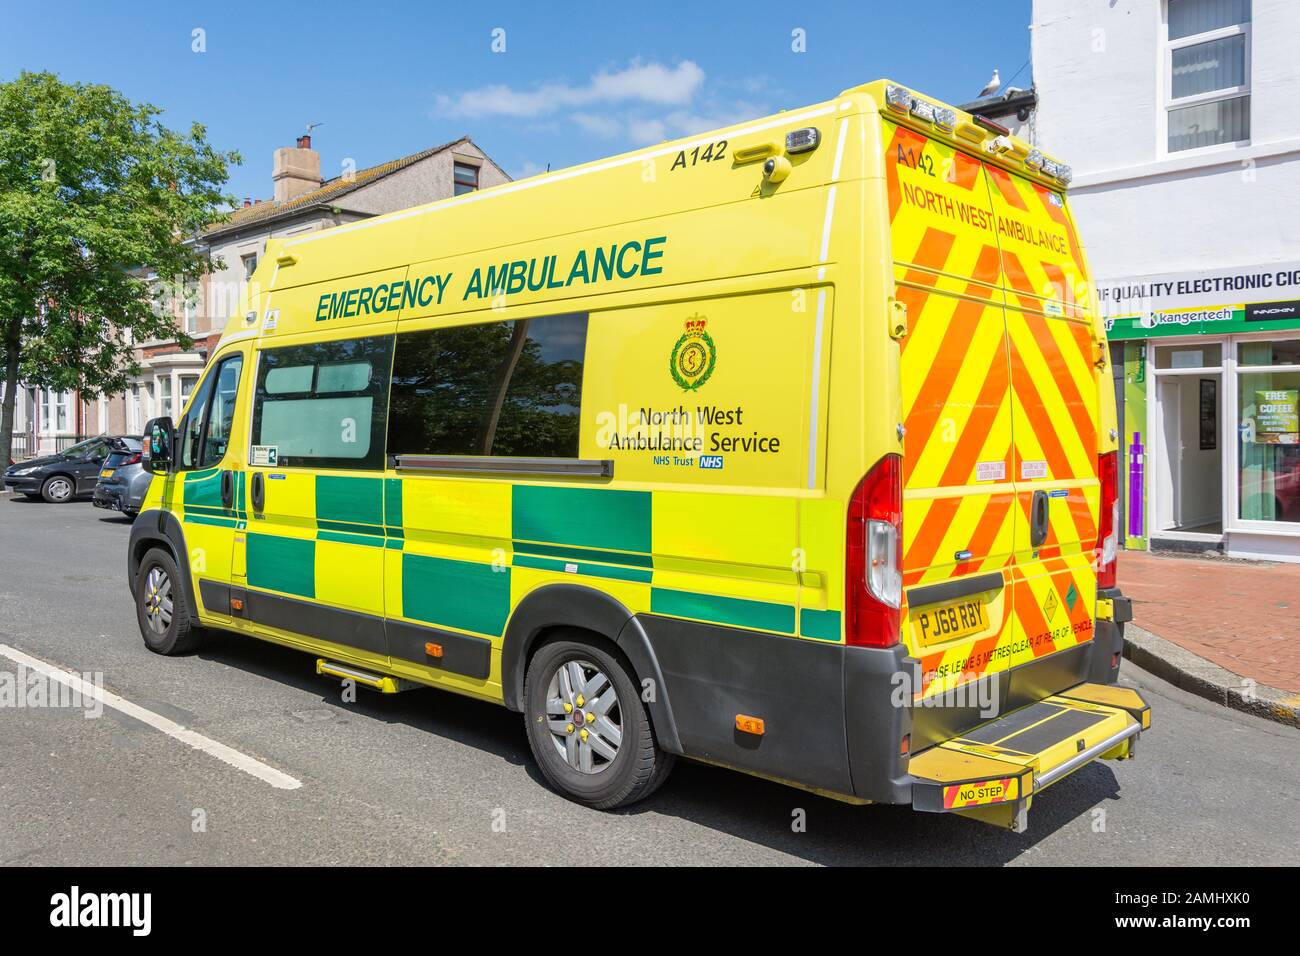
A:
430	778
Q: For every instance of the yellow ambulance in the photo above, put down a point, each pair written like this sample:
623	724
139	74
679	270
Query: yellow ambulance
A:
789	448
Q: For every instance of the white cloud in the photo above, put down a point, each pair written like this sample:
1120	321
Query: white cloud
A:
528	168
638	83
645	131
642	104
598	125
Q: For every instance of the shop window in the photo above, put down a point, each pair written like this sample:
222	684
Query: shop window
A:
1269	406
1207	73
1193	355
500	388
1269	353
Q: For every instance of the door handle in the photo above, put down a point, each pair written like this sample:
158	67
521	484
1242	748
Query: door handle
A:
257	490
1038	518
228	489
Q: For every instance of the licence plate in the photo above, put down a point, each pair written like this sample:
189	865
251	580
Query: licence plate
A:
946	622
106	473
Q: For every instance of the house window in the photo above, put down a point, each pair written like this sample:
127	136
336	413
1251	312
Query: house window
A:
250	265
134	421
54	411
165	396
466	178
187	386
1207	73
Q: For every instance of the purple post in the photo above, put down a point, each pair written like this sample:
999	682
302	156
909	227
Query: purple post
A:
1135	486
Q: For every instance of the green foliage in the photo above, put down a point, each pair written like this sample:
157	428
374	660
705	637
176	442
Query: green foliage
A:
96	194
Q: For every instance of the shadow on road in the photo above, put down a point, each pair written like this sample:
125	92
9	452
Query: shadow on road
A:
729	802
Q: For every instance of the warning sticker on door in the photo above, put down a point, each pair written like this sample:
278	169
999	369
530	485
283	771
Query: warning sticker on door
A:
990	470
264	455
1033	469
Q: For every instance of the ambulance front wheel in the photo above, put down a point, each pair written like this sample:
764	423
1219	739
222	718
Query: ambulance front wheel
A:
588	727
161	608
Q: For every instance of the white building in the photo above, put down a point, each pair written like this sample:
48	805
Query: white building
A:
1182	123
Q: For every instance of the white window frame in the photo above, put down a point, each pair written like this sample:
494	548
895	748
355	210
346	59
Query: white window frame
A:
1227	93
52	402
1229	371
1232	464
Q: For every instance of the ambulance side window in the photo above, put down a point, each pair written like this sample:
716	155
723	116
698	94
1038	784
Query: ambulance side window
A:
323	405
509	388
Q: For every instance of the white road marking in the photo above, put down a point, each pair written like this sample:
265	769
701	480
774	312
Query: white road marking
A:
228	755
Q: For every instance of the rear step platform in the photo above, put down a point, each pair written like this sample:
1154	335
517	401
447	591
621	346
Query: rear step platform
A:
992	772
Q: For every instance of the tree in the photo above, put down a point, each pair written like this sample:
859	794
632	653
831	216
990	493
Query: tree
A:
94	191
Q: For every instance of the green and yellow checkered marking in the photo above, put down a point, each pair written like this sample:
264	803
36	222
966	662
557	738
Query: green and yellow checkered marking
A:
461	554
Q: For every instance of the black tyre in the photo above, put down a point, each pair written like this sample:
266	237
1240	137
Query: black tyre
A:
161	608
588	728
58	489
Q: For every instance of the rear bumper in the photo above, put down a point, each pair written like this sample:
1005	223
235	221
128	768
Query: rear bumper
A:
848	723
109	496
1114	610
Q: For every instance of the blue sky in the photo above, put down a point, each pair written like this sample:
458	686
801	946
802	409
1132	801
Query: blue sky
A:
387	79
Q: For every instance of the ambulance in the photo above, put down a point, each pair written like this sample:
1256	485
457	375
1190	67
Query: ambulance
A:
789	448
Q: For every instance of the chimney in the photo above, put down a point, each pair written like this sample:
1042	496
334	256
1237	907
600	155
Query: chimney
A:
296	170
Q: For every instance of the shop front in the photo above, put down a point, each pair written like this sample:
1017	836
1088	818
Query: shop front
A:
1207	369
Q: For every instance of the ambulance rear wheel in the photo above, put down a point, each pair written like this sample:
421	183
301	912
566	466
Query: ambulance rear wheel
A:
588	728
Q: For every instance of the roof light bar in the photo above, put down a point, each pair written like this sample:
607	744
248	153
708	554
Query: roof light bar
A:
898	98
1034	160
1064	173
945	118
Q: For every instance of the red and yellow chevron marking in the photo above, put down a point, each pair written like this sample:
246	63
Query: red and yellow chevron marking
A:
1000	398
956	382
1042	259
980	792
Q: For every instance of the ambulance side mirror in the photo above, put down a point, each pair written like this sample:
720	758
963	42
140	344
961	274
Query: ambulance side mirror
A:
159	439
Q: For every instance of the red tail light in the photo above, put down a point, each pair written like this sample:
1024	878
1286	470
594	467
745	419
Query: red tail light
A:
1108	526
131	460
873	563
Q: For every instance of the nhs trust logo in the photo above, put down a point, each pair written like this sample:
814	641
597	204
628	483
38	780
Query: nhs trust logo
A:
713	462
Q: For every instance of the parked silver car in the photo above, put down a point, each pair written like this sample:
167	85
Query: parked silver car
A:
123	482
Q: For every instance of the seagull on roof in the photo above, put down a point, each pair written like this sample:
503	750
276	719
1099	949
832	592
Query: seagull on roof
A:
994	85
